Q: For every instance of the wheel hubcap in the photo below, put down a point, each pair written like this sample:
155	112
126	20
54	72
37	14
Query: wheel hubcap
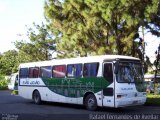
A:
36	98
91	102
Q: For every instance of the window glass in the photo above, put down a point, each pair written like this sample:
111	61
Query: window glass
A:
46	72
33	72
130	72
90	69
59	71
108	72
74	70
23	73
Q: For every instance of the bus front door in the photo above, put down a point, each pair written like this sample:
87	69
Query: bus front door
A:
108	85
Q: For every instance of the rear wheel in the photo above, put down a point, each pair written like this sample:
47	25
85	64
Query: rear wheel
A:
91	102
36	97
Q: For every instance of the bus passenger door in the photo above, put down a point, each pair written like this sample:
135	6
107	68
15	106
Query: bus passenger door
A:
108	85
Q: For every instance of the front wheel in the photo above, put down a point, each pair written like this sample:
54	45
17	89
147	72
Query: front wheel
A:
36	97
91	102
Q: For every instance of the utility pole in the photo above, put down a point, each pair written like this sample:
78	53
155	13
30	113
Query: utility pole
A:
157	61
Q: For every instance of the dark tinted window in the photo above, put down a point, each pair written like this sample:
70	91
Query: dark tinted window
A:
23	73
108	72
33	72
46	72
59	71
74	70
108	91
90	69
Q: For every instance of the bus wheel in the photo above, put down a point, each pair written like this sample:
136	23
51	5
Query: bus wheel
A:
90	102
36	97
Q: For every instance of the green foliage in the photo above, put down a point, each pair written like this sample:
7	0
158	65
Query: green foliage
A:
14	92
153	99
152	14
38	48
3	83
86	27
2	77
8	62
89	27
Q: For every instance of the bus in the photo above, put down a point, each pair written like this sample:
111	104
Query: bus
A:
104	81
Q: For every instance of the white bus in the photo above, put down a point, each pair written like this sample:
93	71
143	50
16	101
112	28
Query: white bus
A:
105	81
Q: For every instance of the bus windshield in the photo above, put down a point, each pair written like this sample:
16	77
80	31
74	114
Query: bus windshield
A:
130	72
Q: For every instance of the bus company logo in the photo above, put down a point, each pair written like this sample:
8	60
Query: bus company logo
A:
126	88
31	82
34	82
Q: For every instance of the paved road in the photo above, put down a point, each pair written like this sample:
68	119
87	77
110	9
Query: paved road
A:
16	108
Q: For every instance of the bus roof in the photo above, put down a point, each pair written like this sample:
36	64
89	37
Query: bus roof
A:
100	58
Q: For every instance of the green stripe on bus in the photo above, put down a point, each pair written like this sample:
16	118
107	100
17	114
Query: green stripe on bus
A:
75	87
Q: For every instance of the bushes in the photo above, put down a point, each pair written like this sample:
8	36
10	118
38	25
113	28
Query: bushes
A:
14	92
153	99
3	83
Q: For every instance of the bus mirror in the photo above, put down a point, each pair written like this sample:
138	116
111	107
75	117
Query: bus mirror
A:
116	67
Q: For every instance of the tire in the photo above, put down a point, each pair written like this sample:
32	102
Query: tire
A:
91	102
37	97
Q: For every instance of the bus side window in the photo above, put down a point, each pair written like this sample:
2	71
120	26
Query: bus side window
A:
46	72
33	72
90	69
74	70
23	73
108	72
59	71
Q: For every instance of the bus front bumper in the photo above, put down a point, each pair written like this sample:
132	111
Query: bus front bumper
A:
130	102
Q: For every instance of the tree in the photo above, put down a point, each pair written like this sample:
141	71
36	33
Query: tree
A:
157	61
8	62
96	26
38	46
85	27
152	21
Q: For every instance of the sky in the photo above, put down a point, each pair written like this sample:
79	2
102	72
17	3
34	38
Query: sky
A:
151	45
16	14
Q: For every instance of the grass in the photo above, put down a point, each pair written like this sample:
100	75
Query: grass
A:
14	92
153	99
